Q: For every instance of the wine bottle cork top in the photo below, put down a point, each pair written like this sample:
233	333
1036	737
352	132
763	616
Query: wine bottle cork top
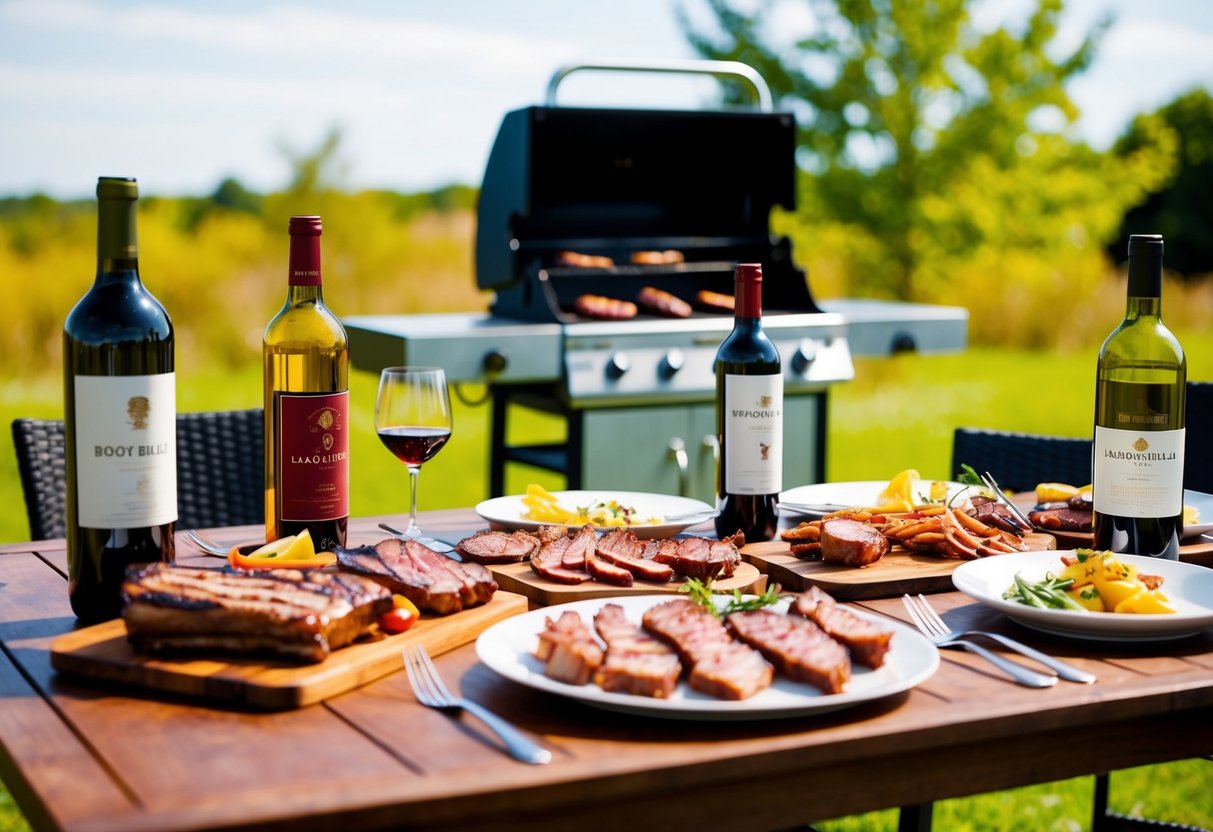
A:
117	187
308	225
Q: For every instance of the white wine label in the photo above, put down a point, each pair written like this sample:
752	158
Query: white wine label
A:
1139	473
753	434
126	451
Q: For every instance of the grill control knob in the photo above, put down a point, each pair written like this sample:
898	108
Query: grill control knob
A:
671	363
495	361
617	365
805	355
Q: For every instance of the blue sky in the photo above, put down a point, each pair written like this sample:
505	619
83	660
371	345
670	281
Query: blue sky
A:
182	94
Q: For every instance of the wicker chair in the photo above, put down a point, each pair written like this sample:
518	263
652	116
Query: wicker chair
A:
219	471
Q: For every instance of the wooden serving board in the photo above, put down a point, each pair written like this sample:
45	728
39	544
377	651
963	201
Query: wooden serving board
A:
103	652
520	578
896	573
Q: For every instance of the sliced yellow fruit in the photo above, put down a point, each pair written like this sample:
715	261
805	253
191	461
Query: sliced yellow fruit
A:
1147	602
1191	515
939	490
292	547
1054	492
901	487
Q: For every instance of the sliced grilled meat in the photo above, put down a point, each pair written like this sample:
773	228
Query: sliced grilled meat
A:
636	663
293	614
993	513
489	546
561	557
430	580
866	640
720	666
569	649
622	548
697	557
1062	519
607	572
852	543
799	648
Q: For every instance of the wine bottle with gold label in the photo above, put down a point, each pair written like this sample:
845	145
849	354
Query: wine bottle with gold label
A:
1140	388
120	417
306	365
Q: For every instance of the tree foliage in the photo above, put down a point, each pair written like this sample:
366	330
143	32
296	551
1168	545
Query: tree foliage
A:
1181	210
931	142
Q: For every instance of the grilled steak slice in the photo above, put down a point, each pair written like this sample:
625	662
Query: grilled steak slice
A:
569	649
636	663
430	580
490	546
993	513
289	613
866	640
561	556
607	572
720	666
852	543
622	548
798	647
698	557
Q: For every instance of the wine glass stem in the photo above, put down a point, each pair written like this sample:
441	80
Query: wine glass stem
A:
414	473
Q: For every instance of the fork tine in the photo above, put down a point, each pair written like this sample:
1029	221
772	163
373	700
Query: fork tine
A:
920	611
911	608
439	687
935	618
420	681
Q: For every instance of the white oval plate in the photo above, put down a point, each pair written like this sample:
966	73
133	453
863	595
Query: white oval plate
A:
508	648
1190	588
506	512
831	496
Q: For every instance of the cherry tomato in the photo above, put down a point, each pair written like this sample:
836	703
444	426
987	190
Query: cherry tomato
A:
403	614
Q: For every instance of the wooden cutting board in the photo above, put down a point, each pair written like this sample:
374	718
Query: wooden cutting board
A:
101	652
896	573
520	578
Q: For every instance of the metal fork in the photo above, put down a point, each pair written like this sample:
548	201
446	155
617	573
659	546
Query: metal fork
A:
1022	675
432	692
1066	671
1020	517
207	546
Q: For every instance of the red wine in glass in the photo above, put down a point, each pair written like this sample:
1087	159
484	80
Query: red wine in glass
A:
414	445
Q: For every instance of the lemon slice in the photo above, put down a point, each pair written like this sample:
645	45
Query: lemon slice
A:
292	547
901	487
1191	515
1054	492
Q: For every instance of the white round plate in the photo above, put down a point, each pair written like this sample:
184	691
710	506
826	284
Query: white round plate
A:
508	648
825	497
506	512
1190	588
1204	504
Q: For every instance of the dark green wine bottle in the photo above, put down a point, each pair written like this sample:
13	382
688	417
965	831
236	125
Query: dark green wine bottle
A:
120	418
1140	393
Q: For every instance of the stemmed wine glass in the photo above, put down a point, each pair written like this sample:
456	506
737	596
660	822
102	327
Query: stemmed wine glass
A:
413	419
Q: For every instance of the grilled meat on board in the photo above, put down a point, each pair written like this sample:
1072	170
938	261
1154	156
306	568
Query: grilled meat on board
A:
799	648
561	556
607	572
490	546
866	640
697	557
430	580
720	666
622	548
282	612
636	663
852	543
568	648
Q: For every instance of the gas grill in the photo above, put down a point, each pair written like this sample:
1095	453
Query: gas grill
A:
638	394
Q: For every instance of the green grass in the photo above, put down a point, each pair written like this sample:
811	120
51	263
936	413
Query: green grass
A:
898	413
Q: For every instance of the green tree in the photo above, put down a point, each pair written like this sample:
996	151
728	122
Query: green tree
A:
927	139
1181	209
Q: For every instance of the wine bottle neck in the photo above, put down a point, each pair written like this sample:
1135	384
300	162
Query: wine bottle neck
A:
1143	307
117	241
304	270
748	292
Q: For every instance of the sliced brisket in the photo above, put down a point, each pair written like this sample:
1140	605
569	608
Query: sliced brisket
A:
867	640
430	580
491	546
798	647
568	648
636	663
719	665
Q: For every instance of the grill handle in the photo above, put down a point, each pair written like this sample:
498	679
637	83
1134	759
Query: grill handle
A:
720	69
678	453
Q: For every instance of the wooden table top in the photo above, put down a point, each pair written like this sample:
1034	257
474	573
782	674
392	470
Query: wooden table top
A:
88	757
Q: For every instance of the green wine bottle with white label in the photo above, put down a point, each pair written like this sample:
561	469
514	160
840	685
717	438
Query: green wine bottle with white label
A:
120	418
1139	420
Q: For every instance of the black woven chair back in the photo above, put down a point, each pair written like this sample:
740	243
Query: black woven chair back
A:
220	472
1198	440
1018	461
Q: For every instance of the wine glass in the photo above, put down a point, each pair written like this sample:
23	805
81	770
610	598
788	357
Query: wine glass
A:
413	419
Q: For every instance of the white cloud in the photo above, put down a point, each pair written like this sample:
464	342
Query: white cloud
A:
1131	39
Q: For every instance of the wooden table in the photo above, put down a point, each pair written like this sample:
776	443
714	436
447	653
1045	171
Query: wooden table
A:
90	758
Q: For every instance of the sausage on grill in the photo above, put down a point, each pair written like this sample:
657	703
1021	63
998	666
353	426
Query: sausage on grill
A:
663	303
598	306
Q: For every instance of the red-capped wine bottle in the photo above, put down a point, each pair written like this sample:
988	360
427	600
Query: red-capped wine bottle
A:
1140	391
307	430
120	418
749	418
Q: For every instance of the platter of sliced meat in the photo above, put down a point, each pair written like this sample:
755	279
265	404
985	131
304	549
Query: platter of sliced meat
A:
669	657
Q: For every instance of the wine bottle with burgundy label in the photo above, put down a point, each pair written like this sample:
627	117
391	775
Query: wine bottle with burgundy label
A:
120	417
1140	389
307	426
749	418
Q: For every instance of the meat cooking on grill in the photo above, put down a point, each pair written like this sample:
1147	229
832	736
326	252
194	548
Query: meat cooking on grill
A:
497	547
663	303
569	650
636	663
657	258
720	666
431	581
867	641
600	306
583	261
852	543
798	647
289	613
715	301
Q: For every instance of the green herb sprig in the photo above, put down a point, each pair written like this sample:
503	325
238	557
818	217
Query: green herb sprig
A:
701	593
